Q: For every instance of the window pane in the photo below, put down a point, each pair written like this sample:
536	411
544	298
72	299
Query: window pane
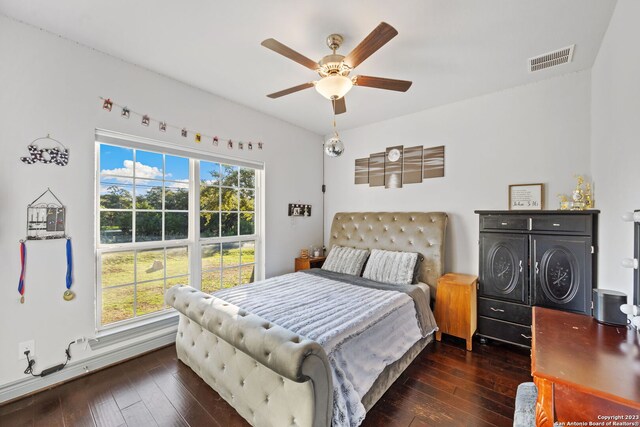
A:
211	256
209	198
150	265
148	194
230	277
248	252
210	281
114	195
230	254
247	225
148	226
247	274
177	168
229	200
247	200
176	225
150	297
247	178
116	160
209	224
177	261
181	280
115	227
229	224
229	175
209	173
116	268
148	165
176	196
117	304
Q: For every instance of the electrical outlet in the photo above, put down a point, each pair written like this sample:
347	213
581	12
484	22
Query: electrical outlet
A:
24	346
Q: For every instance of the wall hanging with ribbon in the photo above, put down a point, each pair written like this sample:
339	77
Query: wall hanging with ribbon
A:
46	221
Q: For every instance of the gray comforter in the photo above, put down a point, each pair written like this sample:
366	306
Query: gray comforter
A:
362	325
420	300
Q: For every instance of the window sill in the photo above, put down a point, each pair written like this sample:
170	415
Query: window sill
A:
115	335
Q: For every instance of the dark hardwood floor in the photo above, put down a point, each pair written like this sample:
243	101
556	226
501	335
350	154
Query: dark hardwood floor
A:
444	386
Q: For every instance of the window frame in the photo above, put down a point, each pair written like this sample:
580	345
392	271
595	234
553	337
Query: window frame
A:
193	242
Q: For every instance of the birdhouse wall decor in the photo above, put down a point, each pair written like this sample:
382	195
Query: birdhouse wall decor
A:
46	218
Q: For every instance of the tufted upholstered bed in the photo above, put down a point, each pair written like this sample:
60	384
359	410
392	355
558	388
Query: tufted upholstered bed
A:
275	377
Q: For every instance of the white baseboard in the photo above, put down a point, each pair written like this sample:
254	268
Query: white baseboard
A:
26	386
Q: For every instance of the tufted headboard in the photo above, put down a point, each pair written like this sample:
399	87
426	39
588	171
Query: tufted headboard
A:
421	232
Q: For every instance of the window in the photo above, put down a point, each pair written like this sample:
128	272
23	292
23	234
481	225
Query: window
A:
158	227
227	210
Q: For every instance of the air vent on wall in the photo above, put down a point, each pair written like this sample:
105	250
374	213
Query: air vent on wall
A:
551	59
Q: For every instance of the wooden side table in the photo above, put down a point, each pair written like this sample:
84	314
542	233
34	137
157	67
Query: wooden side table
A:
307	263
456	306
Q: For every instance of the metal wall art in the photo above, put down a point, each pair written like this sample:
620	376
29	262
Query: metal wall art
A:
46	219
398	165
56	155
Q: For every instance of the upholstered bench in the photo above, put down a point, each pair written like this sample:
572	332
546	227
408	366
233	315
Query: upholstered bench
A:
525	412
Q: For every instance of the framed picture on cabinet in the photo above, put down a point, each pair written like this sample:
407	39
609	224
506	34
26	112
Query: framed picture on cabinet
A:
526	197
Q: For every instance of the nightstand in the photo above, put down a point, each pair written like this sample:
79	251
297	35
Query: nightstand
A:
307	263
456	306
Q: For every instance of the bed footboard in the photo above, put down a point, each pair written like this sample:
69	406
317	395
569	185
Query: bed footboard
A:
271	376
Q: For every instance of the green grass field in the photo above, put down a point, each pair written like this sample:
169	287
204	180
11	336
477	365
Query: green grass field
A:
220	269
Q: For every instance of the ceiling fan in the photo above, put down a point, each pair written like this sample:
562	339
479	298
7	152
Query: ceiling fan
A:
334	69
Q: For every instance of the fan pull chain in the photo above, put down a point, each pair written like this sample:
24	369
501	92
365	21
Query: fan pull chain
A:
334	117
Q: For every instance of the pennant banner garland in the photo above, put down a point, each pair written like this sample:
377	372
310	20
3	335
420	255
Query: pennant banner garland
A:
198	137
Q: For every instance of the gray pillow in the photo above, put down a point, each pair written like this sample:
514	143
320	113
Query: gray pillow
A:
391	267
345	260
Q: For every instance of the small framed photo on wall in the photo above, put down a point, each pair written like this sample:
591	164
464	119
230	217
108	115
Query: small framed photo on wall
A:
524	197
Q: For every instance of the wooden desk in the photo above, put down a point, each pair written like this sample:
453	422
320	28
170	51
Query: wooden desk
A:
584	370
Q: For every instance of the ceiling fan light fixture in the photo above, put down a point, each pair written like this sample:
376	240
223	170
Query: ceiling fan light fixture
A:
334	87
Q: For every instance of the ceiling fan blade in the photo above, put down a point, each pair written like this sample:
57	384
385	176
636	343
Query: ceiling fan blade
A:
278	47
290	90
382	83
374	41
339	106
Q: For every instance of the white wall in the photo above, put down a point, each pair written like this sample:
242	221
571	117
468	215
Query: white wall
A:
615	143
51	85
528	134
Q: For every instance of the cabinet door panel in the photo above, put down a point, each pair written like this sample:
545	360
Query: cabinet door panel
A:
503	266
561	274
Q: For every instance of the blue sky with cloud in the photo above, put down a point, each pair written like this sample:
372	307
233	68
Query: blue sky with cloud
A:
148	165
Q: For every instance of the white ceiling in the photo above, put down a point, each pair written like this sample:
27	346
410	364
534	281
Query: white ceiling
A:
450	49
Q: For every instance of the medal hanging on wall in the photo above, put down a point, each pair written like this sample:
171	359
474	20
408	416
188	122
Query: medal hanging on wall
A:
23	259
68	295
46	221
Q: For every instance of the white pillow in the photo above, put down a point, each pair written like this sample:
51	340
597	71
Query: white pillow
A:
345	260
391	267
